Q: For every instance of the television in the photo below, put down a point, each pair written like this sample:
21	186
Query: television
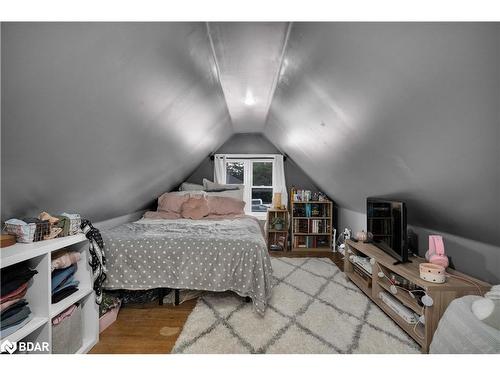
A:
386	221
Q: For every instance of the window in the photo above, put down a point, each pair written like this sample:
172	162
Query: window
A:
262	185
256	173
235	172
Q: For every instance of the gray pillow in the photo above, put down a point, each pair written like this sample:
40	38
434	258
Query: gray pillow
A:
210	186
187	186
236	194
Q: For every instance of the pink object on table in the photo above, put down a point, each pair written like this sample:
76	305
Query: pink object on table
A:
436	253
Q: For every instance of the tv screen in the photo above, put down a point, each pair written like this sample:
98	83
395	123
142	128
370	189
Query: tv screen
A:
386	220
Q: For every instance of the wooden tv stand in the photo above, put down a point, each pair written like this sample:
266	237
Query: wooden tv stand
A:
442	294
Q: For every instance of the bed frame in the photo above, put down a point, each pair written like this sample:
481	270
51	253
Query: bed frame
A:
162	292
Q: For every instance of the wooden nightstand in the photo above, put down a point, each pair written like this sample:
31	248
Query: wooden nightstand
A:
277	229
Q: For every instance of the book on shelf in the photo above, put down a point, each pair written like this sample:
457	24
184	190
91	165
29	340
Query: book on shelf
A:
304	241
311	210
315	226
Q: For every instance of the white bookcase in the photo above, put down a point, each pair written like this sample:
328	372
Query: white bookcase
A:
38	254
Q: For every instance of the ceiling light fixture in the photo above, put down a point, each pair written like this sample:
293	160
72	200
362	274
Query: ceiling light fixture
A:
249	99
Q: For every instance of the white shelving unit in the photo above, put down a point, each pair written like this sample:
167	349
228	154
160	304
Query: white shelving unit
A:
38	254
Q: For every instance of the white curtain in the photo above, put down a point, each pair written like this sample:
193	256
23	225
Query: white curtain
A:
279	183
220	169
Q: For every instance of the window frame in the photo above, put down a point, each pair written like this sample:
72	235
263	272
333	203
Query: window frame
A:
248	161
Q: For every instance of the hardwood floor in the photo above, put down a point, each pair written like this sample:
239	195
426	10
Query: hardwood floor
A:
154	329
144	329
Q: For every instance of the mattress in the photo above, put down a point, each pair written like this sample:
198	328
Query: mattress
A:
213	255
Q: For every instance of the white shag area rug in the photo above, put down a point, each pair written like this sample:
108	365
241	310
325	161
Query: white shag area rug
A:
313	309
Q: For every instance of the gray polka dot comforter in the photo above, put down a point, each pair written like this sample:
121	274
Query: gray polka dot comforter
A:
213	255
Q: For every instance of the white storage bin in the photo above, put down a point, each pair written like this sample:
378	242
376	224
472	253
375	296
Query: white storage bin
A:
67	335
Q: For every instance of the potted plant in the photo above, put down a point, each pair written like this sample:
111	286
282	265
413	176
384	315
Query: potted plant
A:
277	223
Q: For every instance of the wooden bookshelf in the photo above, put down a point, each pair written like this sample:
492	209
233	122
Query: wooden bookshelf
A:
277	236
311	225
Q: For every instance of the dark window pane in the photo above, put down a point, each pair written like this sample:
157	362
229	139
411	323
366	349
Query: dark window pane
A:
262	174
234	173
261	199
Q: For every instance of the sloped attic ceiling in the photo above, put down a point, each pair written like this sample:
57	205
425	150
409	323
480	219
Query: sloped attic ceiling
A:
249	57
403	110
100	118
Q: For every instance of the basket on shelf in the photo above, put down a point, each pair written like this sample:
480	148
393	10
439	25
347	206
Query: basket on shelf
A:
28	232
74	226
41	230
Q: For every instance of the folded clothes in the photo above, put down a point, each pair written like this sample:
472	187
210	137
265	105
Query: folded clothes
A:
20	315
61	275
65	314
64	259
10	286
5	305
63	293
12	310
65	284
13	272
4	332
15	294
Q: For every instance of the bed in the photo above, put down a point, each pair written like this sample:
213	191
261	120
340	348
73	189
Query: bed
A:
208	254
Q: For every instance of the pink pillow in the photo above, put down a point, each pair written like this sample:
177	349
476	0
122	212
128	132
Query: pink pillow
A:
161	215
172	202
225	206
195	208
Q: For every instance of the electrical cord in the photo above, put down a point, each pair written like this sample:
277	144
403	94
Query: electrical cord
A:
480	293
419	322
398	286
410	292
